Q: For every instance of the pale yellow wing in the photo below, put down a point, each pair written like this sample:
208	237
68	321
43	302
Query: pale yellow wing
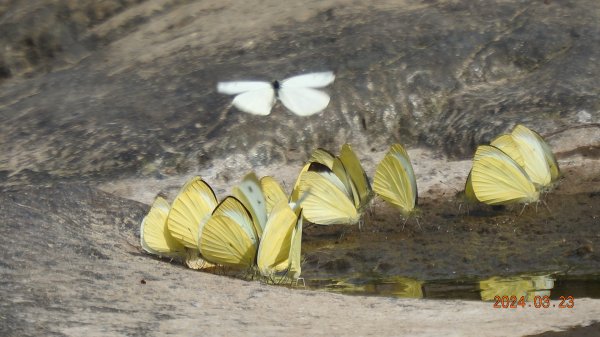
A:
250	193
325	203
154	235
507	144
550	159
322	156
273	192
358	177
343	177
296	191
469	193
274	249
228	237
395	180
536	165
193	205
296	251
497	179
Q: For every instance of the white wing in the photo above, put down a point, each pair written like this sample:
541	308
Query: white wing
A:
256	102
303	101
232	88
312	80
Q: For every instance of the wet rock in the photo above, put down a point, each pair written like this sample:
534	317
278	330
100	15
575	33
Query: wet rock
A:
337	265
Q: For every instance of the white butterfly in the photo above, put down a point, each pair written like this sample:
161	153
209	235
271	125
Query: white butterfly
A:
296	93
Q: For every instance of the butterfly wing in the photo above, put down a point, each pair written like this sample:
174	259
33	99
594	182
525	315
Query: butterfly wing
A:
469	193
532	152
273	192
228	237
273	252
192	206
325	202
507	144
357	175
311	80
549	155
323	157
250	193
296	191
295	250
238	87
497	179
395	180
155	237
256	102
303	101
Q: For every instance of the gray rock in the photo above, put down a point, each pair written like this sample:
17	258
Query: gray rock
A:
132	92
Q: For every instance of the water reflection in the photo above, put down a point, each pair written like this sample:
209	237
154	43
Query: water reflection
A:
395	286
528	286
520	286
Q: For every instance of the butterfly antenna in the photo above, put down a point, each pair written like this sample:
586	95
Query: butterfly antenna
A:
404	223
418	224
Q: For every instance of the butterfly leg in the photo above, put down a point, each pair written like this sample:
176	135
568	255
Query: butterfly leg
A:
547	207
522	210
404	223
298	281
418	224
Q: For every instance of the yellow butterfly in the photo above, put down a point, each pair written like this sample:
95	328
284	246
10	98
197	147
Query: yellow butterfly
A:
155	238
497	179
229	238
192	206
395	180
539	161
279	249
336	189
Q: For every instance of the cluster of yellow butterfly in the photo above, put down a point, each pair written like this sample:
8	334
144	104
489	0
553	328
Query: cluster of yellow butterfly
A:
514	168
256	228
259	227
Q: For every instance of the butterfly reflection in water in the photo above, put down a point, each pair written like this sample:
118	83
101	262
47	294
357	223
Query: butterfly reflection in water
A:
297	93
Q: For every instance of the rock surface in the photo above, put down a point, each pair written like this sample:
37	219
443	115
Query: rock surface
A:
120	96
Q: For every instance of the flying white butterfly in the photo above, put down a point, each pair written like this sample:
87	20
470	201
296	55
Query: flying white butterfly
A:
296	93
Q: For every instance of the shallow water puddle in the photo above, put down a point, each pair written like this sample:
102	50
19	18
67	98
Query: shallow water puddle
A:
532	288
552	251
